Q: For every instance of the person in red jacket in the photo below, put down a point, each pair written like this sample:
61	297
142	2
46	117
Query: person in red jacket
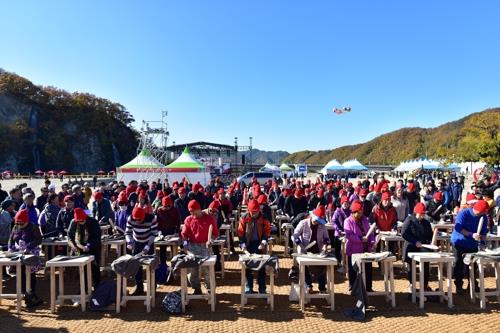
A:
169	222
386	217
253	231
195	236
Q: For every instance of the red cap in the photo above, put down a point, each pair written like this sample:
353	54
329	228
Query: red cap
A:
299	193
220	191
160	194
253	206
343	199
411	187
356	206
142	194
438	196
166	201
98	195
481	207
371	187
193	205
138	214
181	190
386	196
22	216
79	214
197	187
363	192
68	198
262	199
320	212
214	204
419	208
470	198
321	192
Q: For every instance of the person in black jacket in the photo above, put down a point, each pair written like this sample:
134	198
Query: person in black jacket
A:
436	207
65	215
417	231
296	204
181	204
318	198
84	238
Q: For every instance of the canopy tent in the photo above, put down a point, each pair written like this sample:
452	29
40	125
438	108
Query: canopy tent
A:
142	167
271	168
332	167
354	165
425	164
286	170
186	166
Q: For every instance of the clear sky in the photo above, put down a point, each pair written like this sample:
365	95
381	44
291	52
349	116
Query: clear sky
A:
268	69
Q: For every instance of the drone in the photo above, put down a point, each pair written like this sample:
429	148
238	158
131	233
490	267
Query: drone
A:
342	110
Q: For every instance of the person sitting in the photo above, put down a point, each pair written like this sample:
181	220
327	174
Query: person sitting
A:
25	237
84	238
309	230
253	232
416	231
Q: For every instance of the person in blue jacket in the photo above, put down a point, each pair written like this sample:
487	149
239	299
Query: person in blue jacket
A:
465	237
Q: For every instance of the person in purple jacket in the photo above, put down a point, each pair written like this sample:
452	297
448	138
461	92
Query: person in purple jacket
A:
340	215
355	227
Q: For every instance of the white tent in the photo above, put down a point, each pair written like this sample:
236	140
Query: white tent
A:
142	167
354	165
271	168
186	166
332	167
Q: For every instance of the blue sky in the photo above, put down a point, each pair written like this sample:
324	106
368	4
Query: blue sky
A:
268	69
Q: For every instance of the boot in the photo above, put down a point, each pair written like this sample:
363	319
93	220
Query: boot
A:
31	300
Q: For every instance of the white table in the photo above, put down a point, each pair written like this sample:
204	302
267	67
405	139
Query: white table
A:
122	296
227	228
210	297
388	268
304	261
388	236
481	263
49	245
172	242
119	244
244	297
18	296
439	258
82	263
281	219
221	244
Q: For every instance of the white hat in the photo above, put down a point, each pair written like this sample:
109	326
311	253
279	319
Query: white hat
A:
52	187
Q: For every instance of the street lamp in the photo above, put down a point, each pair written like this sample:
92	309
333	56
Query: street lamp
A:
251	154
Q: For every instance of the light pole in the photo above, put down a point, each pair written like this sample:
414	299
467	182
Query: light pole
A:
251	154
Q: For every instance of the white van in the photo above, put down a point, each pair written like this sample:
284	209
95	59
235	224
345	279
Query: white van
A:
262	177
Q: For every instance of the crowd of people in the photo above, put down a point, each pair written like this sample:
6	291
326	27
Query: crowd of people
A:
142	211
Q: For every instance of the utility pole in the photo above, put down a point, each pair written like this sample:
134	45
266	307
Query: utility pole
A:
251	162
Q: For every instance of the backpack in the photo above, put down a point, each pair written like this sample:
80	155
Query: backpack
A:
103	296
172	302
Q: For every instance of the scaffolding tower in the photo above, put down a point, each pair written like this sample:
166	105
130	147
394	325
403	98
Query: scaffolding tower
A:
153	142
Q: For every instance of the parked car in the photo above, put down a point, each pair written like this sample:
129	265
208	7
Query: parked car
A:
261	177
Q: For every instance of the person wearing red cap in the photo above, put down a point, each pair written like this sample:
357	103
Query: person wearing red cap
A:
317	200
169	223
181	204
356	227
144	203
411	195
25	237
101	209
340	215
367	204
253	232
264	207
417	230
312	229
436	207
296	204
84	238
140	233
121	212
65	215
283	198
274	194
195	236
466	238
384	214
198	195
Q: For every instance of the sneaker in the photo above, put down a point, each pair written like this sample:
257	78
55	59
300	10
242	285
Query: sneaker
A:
248	292
31	301
75	301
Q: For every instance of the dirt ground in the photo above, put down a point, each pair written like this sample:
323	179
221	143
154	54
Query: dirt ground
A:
287	317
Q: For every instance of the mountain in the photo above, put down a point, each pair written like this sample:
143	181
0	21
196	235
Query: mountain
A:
474	137
261	157
49	128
